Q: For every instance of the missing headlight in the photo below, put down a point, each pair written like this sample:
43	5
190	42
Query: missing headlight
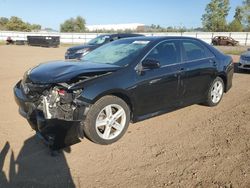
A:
59	104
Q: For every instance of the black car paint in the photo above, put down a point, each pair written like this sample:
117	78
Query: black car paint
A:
71	52
170	86
64	71
156	79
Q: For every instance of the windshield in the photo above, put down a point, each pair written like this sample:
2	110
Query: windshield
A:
120	52
99	40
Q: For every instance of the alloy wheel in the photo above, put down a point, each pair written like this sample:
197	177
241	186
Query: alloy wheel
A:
217	92
110	122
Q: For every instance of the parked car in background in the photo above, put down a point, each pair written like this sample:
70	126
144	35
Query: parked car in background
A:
245	60
224	41
125	81
78	52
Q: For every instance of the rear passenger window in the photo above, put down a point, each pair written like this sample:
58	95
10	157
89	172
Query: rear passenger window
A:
166	53
193	51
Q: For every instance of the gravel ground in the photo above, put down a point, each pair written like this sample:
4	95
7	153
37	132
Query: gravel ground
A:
196	146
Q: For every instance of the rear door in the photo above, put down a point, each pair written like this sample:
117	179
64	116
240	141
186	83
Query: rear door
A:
197	70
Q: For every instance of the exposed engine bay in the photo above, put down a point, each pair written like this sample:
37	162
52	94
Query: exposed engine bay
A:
55	111
60	104
57	101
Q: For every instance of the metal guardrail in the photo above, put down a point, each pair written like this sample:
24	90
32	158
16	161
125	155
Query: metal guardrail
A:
73	38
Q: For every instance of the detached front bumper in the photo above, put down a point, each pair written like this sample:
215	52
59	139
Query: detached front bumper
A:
58	133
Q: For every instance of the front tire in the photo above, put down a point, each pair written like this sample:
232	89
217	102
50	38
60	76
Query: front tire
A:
215	92
107	120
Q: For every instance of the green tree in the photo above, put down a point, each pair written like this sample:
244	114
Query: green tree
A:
67	26
73	25
236	25
35	27
3	22
238	14
80	24
246	14
16	24
215	15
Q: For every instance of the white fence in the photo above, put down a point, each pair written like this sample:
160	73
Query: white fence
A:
242	37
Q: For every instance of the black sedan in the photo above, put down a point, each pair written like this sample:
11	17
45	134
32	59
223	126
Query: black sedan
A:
124	81
77	52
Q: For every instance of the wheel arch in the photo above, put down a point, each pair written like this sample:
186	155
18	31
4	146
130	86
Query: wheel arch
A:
122	95
224	78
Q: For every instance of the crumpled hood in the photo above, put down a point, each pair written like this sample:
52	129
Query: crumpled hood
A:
63	71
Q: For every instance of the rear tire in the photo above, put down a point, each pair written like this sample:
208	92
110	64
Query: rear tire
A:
107	120
215	92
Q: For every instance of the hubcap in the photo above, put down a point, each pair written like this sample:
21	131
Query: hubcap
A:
110	122
216	92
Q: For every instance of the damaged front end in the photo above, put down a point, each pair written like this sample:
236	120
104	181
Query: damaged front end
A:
50	98
53	111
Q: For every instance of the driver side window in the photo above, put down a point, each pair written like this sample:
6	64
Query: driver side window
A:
166	53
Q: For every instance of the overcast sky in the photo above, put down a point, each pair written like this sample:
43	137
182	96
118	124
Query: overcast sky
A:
51	13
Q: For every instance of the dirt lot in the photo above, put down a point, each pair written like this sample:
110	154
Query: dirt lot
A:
196	146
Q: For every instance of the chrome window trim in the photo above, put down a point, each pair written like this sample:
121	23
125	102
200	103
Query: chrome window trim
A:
181	61
139	64
197	59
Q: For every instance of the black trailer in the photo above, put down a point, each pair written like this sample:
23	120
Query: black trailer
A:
44	41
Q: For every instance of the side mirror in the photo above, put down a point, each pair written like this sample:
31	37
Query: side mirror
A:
150	64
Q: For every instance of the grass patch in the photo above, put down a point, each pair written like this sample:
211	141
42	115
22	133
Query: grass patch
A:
232	50
2	42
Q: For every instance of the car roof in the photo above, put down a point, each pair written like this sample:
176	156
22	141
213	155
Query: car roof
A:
157	39
160	38
122	34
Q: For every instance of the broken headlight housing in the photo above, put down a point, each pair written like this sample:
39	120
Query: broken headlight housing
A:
60	103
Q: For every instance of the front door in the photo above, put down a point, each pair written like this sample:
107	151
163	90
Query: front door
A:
157	89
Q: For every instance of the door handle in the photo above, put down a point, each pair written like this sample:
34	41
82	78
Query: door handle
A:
182	69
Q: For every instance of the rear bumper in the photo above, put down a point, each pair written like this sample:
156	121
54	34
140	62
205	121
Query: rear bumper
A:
58	133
